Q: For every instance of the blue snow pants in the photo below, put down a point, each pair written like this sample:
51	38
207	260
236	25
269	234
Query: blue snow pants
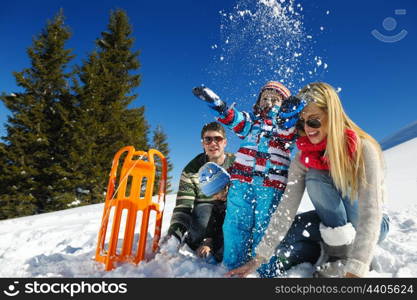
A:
249	208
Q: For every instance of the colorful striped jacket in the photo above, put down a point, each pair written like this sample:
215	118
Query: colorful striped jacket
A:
264	155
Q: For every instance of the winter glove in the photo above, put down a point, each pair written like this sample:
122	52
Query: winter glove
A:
290	112
211	98
178	230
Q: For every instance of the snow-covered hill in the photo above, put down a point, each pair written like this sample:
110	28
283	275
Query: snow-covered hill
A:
62	244
405	134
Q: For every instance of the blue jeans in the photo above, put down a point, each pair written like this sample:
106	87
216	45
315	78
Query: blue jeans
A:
200	217
331	209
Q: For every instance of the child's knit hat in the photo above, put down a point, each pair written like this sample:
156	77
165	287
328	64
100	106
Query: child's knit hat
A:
212	178
277	86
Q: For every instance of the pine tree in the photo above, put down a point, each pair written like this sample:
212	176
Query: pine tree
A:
159	142
30	167
105	123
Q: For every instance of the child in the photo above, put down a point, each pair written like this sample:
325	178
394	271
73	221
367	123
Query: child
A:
214	182
259	173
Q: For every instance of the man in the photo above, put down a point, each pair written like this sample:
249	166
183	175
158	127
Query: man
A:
193	209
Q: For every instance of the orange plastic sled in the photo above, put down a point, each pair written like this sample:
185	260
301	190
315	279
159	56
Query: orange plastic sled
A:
138	167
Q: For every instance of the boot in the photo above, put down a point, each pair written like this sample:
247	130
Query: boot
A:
337	243
331	269
337	252
336	260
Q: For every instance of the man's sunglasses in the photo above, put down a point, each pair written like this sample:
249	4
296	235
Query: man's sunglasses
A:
208	139
313	123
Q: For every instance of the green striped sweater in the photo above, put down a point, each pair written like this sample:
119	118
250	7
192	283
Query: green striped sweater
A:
189	193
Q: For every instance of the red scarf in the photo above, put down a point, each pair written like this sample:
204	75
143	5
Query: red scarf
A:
312	155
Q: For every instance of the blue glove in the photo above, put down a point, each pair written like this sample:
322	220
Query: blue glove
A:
211	98
290	112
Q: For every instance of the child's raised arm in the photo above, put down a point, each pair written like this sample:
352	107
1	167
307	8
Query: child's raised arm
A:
239	122
211	98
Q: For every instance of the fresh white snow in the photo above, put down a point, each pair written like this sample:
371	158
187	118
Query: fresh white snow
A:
62	244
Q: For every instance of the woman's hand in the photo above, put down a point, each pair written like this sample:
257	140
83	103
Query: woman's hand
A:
246	269
350	275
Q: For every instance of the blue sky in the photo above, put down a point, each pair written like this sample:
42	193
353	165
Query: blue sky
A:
176	38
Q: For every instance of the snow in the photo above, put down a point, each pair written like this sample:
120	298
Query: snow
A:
271	38
401	167
63	243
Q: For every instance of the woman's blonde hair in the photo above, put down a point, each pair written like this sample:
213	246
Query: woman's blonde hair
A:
347	171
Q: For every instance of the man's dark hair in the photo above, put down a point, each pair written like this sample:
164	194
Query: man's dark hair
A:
213	126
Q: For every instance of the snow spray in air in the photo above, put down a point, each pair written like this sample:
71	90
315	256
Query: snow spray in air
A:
259	41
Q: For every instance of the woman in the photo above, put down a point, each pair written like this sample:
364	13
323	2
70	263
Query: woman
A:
341	166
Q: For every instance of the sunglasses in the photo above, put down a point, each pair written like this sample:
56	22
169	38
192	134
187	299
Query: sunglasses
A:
313	123
208	139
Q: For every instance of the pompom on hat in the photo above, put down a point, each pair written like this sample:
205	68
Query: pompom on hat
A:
213	178
277	86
